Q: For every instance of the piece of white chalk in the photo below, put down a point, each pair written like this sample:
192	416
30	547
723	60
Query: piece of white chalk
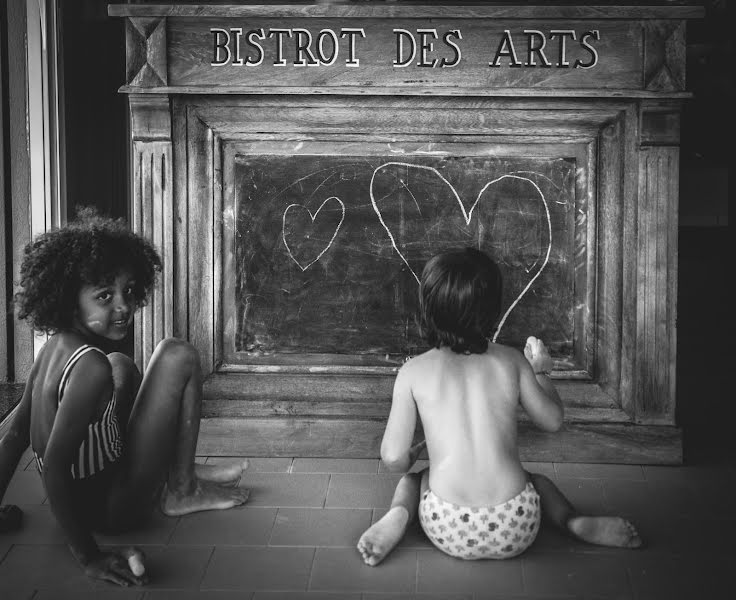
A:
136	565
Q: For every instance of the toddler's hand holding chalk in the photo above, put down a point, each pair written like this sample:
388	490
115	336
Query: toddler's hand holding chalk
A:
537	355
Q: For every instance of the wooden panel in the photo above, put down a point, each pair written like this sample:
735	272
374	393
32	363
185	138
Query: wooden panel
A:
664	59
629	199
393	117
200	206
361	438
660	124
483	55
153	215
657	285
609	267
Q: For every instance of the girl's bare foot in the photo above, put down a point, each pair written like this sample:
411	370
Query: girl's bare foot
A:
381	537
225	474
205	496
605	531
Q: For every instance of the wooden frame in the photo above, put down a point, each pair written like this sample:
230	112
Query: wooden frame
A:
185	129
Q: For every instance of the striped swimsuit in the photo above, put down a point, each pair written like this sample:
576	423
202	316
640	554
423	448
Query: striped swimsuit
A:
104	443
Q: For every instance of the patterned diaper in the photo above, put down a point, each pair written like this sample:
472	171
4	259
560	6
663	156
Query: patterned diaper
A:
499	531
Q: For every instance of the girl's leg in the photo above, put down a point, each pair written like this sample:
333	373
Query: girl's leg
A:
604	531
161	441
381	537
127	381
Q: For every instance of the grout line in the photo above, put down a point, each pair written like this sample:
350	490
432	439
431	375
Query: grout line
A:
207	566
327	490
311	569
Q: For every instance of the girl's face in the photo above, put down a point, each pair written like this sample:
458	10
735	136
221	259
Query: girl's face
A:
106	310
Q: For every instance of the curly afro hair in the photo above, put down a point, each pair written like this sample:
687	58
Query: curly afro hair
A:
92	250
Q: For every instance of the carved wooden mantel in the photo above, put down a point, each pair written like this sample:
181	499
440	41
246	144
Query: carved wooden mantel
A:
623	115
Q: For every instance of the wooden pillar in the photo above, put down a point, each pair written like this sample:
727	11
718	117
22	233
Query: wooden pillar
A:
152	174
658	192
152	212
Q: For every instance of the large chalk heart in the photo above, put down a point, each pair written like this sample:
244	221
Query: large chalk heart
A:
468	215
312	217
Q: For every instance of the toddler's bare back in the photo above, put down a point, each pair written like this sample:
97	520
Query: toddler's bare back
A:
468	407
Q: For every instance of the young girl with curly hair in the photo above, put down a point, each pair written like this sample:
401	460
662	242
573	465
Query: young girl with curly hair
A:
108	443
475	500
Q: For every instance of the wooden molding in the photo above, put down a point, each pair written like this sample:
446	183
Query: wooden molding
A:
407	10
664	62
145	39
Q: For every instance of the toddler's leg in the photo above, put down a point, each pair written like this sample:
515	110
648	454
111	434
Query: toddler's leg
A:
381	537
162	439
604	531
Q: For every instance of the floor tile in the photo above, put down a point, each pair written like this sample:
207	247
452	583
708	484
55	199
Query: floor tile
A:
335	465
43	566
697	475
361	491
689	536
246	526
599	471
575	574
39	527
586	495
16	592
336	569
257	465
319	526
155	530
639	499
543	468
679	578
4	548
28	462
111	594
286	489
440	573
196	595
446	596
306	596
414	536
174	567
25	488
259	568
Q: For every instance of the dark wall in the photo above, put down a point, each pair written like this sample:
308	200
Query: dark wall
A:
95	121
705	324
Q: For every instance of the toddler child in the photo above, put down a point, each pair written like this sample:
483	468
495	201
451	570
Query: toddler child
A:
475	500
108	444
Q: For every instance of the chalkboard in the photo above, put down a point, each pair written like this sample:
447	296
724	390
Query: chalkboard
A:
329	249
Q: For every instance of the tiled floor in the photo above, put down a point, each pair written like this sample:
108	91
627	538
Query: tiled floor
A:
295	540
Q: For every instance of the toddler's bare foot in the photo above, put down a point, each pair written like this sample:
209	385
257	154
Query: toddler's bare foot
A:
225	474
381	537
605	531
206	496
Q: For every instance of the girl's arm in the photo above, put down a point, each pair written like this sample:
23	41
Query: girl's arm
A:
18	437
538	395
396	448
90	380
